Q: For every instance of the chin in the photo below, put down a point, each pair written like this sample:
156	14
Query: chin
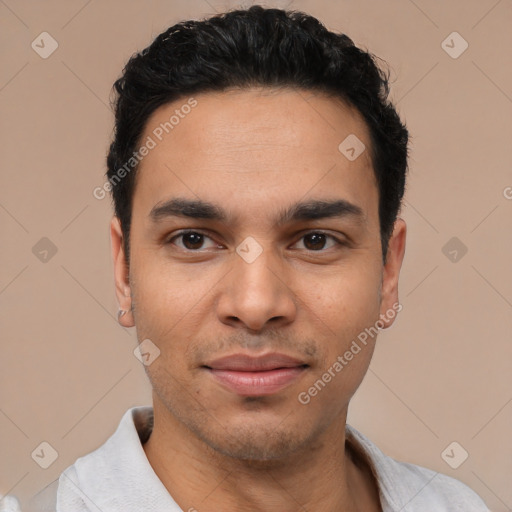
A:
257	441
254	444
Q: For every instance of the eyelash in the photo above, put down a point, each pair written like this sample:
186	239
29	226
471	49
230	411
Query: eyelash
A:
339	242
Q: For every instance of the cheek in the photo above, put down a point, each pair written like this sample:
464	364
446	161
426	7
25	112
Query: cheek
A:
165	293
345	301
170	310
343	310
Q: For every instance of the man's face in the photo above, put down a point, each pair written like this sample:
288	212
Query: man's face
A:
285	295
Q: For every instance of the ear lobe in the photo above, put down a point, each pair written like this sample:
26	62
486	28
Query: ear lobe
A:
121	273
391	271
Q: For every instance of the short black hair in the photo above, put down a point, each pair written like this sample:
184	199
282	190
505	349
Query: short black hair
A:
255	47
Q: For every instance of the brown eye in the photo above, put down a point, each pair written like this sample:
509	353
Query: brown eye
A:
191	240
316	241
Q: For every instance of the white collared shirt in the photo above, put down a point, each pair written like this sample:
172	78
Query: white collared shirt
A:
117	477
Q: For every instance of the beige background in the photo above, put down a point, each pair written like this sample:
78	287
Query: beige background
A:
442	373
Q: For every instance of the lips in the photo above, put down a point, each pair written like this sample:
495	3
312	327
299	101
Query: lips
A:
256	376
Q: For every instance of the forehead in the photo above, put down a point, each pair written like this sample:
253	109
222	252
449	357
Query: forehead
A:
256	146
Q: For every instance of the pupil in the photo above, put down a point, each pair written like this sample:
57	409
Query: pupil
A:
194	239
317	238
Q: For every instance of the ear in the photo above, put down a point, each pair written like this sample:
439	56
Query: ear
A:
389	304
121	274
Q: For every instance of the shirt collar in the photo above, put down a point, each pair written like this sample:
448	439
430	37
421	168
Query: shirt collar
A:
118	475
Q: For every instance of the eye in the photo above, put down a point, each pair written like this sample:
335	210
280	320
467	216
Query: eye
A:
194	241
191	240
316	241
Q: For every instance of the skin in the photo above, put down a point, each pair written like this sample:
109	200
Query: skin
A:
254	152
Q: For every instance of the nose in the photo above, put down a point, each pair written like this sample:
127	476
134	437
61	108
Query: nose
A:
256	295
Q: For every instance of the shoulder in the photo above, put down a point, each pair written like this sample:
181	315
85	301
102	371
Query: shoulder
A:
412	488
423	489
105	476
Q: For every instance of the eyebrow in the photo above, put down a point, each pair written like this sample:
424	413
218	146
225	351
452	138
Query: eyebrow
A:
301	211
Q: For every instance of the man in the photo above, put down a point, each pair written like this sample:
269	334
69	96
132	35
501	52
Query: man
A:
257	171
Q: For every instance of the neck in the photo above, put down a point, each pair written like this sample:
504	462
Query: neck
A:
325	477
